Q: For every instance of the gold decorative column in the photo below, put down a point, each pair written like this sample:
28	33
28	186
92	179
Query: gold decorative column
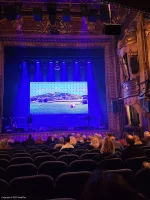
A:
1	82
142	52
128	114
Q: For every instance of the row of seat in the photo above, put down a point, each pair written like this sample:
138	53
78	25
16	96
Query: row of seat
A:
55	168
68	185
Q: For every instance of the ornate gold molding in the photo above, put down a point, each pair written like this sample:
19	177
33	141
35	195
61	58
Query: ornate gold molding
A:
72	42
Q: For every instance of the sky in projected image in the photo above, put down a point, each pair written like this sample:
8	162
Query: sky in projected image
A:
58	98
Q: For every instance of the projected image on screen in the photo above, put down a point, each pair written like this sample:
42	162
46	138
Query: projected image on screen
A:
58	98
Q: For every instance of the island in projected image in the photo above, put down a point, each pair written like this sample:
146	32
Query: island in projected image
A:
58	98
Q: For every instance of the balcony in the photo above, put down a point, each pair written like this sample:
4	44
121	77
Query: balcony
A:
130	89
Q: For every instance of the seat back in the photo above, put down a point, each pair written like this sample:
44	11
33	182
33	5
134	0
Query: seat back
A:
88	156
135	164
31	152
71	184
21	160
68	158
142	178
127	174
147	153
40	159
4	163
39	154
5	156
21	155
18	170
79	152
4	188
111	164
38	187
53	168
60	153
69	150
82	165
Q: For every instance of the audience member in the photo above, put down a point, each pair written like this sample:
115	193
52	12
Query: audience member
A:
100	139
95	143
78	137
146	138
49	140
107	151
30	140
4	144
108	187
73	140
11	140
68	145
55	138
39	140
60	143
137	140
117	144
132	150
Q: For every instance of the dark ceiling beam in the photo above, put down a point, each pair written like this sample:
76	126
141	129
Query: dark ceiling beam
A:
143	5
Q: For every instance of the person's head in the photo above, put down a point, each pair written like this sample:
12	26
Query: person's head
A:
146	134
39	137
68	140
78	135
73	140
29	136
108	186
130	139
55	136
108	146
137	139
95	142
61	140
89	137
49	138
4	143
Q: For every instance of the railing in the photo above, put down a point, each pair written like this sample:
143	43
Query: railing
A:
130	88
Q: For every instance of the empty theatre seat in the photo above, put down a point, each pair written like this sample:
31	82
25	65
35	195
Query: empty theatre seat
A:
147	153
142	178
39	154
50	150
40	159
88	155
68	158
4	189
4	163
69	150
2	173
21	155
14	171
21	160
38	187
127	174
5	152
79	152
18	151
135	164
31	152
5	156
82	165
71	184
53	168
58	154
111	164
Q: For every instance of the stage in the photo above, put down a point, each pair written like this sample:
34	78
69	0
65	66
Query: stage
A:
59	90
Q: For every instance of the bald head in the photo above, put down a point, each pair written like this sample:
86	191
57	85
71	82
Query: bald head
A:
130	139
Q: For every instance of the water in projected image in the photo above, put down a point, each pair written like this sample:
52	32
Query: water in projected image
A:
58	98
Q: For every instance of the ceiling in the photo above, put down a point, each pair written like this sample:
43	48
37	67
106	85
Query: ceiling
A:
120	15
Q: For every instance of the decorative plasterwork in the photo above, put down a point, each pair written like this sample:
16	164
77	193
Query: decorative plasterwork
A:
74	42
